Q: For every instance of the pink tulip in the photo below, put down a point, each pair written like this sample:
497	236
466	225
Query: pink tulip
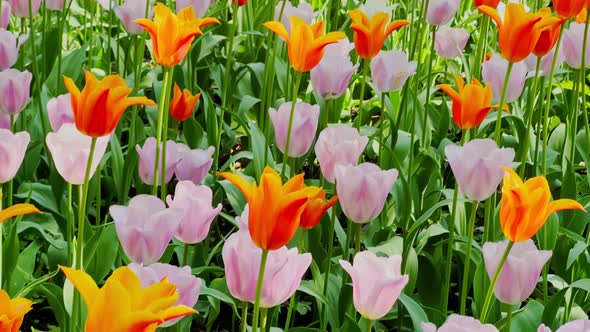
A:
339	144
521	271
129	12
198	214
363	189
377	282
391	69
241	258
441	12
147	157
5	120
187	285
9	45
70	149
546	63
106	4
305	124
573	41
20	8
58	5
580	325
145	227
477	166
59	111
493	71
194	164
5	16
15	87
12	152
304	11
330	78
450	42
457	323
200	7
372	7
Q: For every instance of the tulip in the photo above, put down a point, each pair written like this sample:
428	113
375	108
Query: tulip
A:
548	38
370	33
20	8
305	124
5	120
196	202
200	7
9	45
100	105
457	323
12	152
70	149
130	11
12	312
450	42
182	104
573	40
5	15
122	304
441	12
330	78
373	7
391	69
579	325
546	63
187	285
147	156
568	9
582	16
59	111
55	4
145	227
525	206
493	72
489	3
15	88
275	209
194	164
477	166
316	208
240	2
172	35
340	144
13	211
305	43
377	282
304	11
520	272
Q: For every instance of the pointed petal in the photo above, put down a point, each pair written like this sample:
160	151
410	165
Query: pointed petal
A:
17	210
492	13
83	283
278	28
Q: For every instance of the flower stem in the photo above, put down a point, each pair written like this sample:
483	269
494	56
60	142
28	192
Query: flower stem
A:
290	127
263	314
366	64
481	45
244	325
357	243
490	292
498	132
448	268
162	112
428	77
369	325
263	258
583	84
289	313
70	226
470	230
324	322
508	318
529	117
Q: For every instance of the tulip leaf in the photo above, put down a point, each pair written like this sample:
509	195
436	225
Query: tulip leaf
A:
308	287
416	312
575	252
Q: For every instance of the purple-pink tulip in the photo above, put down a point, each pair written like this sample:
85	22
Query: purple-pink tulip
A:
5	15
573	41
194	164
391	69
377	282
493	71
9	45
304	11
58	5
303	129
200	7
372	7
579	325
330	78
59	111
196	202
105	4
546	63
520	272
363	189
20	8
12	152
145	227
15	88
147	159
477	166
450	42
129	11
441	12
340	144
457	323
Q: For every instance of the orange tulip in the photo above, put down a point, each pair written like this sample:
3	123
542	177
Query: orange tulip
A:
525	206
548	37
275	209
370	34
12	312
490	3
100	105
316	207
183	103
519	32
471	103
306	43
172	35
568	8
17	210
582	16
122	305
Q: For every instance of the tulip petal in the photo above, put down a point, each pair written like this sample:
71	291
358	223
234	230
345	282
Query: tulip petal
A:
83	283
492	13
17	210
243	185
278	28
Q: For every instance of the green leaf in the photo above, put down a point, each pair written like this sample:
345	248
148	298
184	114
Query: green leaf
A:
416	312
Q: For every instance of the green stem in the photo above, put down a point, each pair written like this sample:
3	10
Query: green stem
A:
369	325
244	324
481	45
583	84
162	112
508	318
289	313
185	254
382	131
290	127
263	258
263	314
324	322
448	268
70	227
529	117
163	183
428	77
498	132
490	292
366	63
465	282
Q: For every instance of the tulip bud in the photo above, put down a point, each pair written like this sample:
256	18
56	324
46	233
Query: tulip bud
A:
12	150
391	69
15	88
450	42
303	129
59	111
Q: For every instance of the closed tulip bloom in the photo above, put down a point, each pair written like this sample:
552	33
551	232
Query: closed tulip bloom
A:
391	69
9	45
340	144
20	8
130	11
548	38
579	325
194	164
526	206
441	12
330	78
183	104
12	312
372	7
489	3
282	275
316	207
145	227
303	129
147	160
546	63
123	305
59	111
241	260
457	323
200	7
12	152
573	41
370	33
450	42
275	208
172	35
568	9
493	72
304	11
70	150
363	189
520	272
305	43
15	88
196	202
377	282
5	15
55	4
100	105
